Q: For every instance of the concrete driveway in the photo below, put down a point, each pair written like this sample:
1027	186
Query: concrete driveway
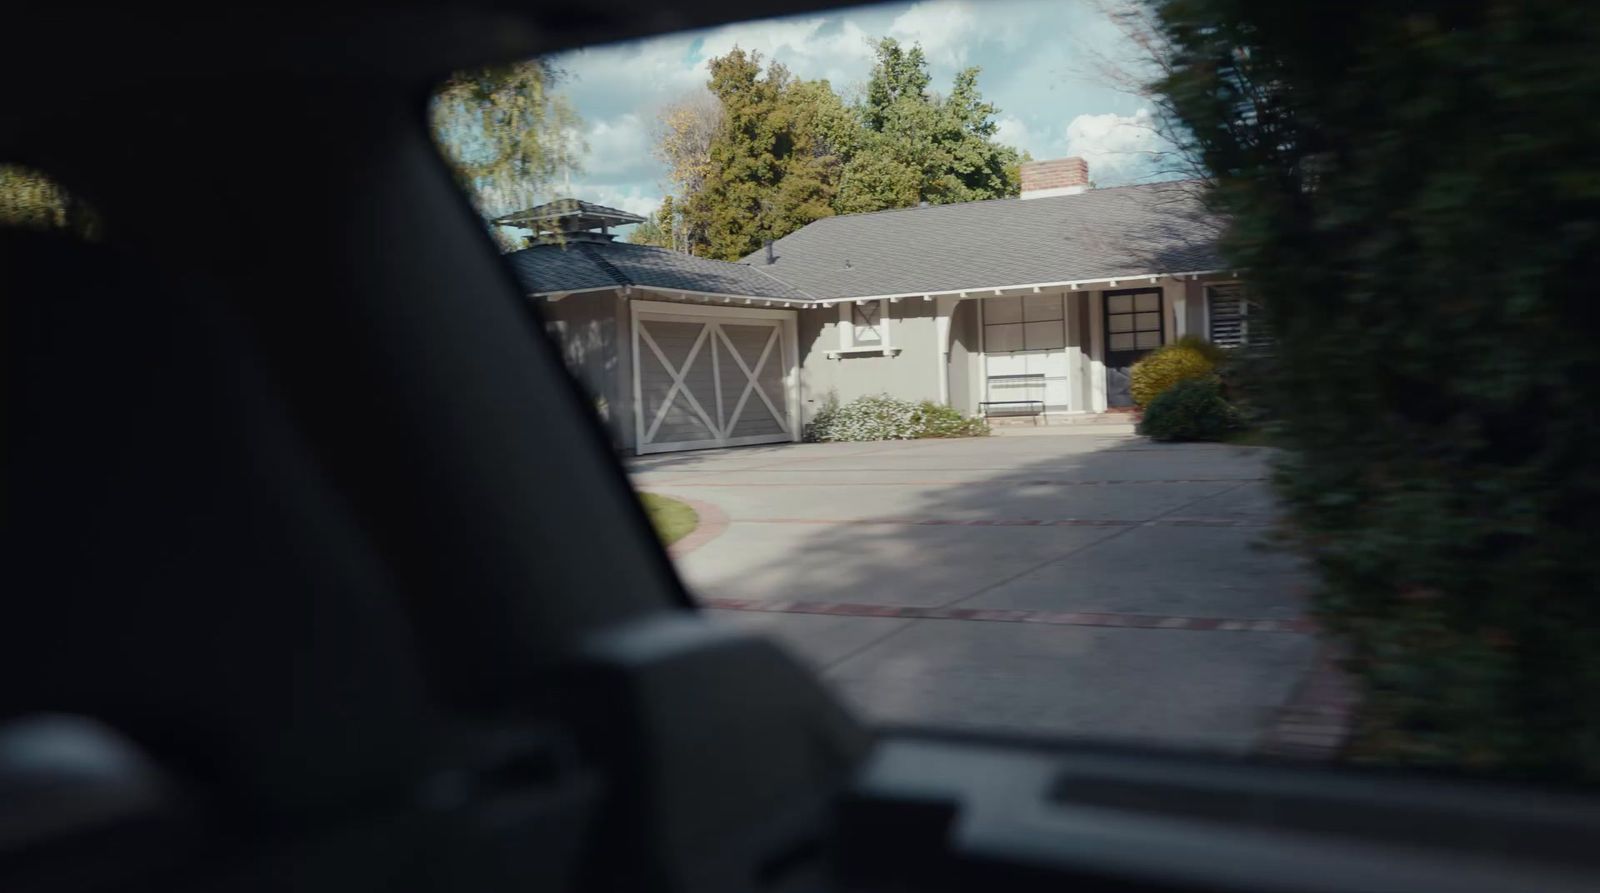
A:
1067	581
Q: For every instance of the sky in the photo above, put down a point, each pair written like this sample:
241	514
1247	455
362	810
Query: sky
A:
1039	59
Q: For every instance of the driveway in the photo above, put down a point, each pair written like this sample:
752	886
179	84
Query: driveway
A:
1071	581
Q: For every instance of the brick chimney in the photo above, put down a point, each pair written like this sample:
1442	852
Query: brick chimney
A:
1060	176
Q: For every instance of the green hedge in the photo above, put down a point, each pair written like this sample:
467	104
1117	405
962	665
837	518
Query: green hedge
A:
1413	196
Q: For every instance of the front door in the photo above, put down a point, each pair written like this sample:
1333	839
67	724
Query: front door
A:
1133	329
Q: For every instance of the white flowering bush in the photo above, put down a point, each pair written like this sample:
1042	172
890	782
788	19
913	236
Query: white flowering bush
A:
882	417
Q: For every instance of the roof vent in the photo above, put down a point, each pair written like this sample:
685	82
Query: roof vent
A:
1059	176
567	220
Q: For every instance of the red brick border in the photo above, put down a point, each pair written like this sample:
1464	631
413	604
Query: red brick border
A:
1320	714
711	521
985	615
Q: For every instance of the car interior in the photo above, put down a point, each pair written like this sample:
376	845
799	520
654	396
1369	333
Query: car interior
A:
321	576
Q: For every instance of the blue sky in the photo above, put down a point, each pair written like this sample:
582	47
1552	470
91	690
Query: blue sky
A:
1042	64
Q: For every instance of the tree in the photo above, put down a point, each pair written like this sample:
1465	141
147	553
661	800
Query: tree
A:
1412	192
917	147
774	153
507	135
662	229
684	132
771	171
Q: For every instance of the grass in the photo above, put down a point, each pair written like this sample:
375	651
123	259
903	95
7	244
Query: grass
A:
672	519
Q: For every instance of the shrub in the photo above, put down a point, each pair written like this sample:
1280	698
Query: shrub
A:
937	420
1188	357
1435	374
1192	409
882	417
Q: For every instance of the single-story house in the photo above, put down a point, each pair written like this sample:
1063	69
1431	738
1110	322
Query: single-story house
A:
1040	303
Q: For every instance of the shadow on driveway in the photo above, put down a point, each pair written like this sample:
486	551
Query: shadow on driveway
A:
1079	585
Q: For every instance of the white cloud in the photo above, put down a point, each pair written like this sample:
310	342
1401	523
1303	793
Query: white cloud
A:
944	28
1120	149
1013	131
619	146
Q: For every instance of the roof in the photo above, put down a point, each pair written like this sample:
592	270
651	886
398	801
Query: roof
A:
568	213
1098	234
578	265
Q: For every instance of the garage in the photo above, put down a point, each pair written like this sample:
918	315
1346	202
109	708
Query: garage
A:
706	376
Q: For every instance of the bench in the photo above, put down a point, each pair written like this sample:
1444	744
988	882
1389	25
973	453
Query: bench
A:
1029	407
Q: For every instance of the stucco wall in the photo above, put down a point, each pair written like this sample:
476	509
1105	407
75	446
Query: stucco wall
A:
592	331
910	374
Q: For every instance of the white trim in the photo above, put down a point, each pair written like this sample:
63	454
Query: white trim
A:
564	293
638	405
716	379
704	444
713	310
1069	284
861	352
847	332
1097	358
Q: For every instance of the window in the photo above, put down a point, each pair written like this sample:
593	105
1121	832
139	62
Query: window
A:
1133	320
1232	322
1026	322
864	326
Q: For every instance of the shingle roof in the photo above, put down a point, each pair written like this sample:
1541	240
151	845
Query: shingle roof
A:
1099	234
569	213
583	264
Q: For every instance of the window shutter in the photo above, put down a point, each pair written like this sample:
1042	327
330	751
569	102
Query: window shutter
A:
1227	315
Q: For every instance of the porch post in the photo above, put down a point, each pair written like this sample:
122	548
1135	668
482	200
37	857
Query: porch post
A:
943	308
1178	300
1097	356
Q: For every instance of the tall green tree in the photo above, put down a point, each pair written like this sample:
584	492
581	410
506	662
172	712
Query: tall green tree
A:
1413	192
918	147
771	170
661	229
508	136
774	152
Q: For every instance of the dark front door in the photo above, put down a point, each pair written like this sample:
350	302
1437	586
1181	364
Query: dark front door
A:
1133	329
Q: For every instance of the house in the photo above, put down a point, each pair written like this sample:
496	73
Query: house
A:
1048	298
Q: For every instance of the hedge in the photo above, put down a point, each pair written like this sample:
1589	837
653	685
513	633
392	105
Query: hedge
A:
1412	195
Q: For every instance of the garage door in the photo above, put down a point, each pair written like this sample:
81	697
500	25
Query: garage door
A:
711	378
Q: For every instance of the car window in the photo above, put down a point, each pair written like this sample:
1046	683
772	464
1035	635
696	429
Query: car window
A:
1090	370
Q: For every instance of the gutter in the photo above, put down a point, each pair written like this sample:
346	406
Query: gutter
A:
1128	281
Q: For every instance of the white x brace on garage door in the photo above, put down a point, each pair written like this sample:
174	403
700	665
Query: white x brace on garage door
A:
713	376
